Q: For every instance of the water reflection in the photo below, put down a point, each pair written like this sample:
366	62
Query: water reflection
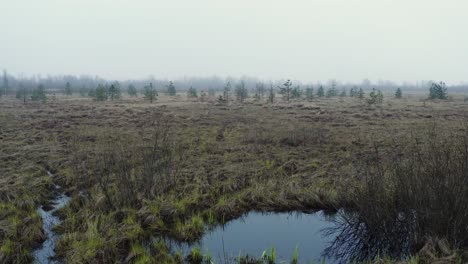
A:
359	237
339	237
257	232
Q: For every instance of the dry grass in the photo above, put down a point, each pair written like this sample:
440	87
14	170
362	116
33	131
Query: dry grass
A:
225	161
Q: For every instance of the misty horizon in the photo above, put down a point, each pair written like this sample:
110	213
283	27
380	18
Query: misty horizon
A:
299	40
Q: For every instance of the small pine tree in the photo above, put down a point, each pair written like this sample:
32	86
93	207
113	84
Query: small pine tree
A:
39	94
68	89
296	92
361	94
309	93
203	96
5	86
343	93
354	92
132	91
376	97
92	93
241	92
398	93
83	91
150	93
227	91
114	91
320	91
271	95
171	90
192	92
257	97
260	89
438	91
101	94
212	92
221	99
286	89
332	92
22	93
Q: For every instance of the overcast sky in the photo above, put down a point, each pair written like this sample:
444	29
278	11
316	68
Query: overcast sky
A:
304	40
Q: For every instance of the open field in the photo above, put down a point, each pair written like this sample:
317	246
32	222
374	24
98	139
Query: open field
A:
178	166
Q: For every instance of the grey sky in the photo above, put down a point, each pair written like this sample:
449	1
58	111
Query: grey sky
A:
300	39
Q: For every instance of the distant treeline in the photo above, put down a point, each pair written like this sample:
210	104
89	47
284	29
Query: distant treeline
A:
59	83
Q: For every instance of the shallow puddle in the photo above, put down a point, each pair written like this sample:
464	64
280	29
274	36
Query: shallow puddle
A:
256	232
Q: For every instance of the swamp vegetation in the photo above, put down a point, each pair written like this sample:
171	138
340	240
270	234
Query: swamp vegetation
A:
140	173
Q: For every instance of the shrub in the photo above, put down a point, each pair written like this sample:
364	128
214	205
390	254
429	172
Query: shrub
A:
114	91
332	92
39	94
438	91
286	90
132	91
320	91
171	90
398	93
296	92
100	93
192	92
68	89
241	92
309	93
150	93
376	97
415	190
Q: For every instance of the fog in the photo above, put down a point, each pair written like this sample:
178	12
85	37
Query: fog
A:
307	40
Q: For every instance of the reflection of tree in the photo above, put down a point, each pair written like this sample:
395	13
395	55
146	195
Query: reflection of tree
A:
364	237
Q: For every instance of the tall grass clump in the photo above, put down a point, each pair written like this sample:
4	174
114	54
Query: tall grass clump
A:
416	191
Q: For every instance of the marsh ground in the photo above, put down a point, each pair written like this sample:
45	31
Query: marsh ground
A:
219	162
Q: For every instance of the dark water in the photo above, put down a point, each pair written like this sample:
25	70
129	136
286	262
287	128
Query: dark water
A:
47	249
256	232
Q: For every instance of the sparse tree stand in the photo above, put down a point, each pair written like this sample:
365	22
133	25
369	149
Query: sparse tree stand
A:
68	89
39	94
192	92
320	91
398	93
271	95
241	92
212	92
171	90
309	93
332	91
296	92
5	86
150	93
114	91
285	90
21	93
343	93
227	92
132	91
361	94
260	89
101	94
203	96
354	92
83	91
376	97
438	91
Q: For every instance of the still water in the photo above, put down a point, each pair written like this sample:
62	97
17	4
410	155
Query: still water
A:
257	232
